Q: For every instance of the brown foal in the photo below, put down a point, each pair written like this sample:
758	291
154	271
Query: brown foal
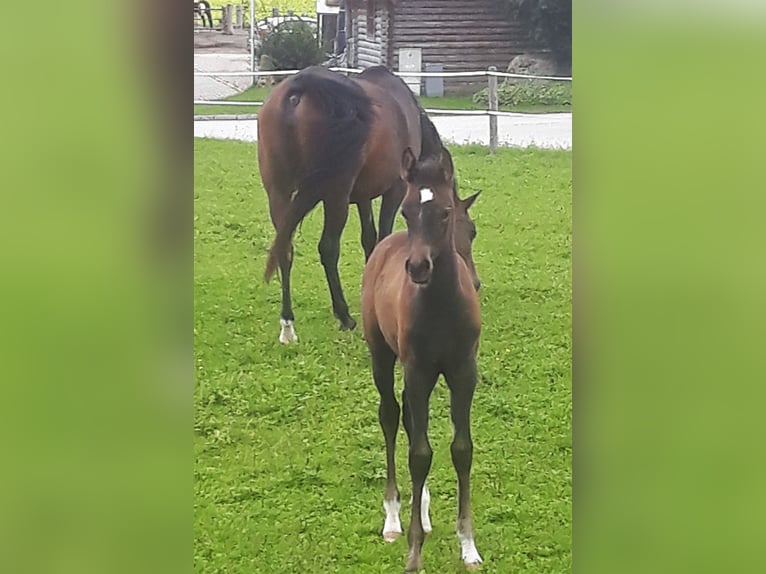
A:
420	305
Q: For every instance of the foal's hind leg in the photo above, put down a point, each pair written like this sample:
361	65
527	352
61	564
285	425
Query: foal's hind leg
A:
369	237
335	216
383	360
389	205
462	383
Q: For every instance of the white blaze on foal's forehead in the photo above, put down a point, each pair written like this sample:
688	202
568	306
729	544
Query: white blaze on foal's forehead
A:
426	195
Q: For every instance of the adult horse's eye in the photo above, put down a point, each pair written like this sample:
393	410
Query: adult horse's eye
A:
445	215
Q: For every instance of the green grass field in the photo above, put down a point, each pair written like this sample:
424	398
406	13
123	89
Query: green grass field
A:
263	7
289	458
257	94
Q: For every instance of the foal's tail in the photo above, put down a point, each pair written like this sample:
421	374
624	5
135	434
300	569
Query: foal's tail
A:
329	151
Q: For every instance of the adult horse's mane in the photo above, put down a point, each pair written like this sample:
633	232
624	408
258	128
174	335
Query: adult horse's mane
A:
431	143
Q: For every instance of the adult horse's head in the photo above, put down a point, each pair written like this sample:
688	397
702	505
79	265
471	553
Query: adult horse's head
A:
437	220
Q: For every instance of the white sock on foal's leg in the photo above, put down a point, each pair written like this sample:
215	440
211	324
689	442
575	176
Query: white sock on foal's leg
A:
287	334
468	551
425	509
393	526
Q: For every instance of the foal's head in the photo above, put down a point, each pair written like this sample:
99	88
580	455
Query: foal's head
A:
437	220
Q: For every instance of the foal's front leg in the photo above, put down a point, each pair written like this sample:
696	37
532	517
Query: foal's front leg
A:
383	360
462	383
419	381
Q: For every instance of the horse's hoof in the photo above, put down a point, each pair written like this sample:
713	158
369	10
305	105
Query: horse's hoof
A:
287	334
414	564
347	324
473	566
391	536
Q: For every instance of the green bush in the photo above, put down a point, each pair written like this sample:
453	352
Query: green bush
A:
291	46
529	92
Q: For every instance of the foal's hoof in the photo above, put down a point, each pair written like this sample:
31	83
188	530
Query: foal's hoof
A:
347	324
391	536
287	334
414	563
473	566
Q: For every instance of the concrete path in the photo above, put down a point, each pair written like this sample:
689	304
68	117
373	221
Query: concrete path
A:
553	131
213	88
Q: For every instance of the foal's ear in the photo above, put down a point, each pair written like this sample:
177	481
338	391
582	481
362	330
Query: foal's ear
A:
468	201
447	166
408	164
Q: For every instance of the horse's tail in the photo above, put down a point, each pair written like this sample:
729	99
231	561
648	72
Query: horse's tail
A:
334	146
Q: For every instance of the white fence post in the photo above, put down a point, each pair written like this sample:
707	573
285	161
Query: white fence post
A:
492	97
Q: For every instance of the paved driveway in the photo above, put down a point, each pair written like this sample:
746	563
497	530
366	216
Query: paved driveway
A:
520	130
212	88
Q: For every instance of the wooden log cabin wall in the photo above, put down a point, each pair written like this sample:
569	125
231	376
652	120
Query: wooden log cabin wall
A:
462	35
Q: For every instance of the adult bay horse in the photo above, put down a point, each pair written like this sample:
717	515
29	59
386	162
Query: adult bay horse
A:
325	137
420	305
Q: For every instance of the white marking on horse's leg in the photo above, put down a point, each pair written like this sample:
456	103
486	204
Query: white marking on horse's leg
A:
287	334
425	508
392	527
425	505
468	550
426	195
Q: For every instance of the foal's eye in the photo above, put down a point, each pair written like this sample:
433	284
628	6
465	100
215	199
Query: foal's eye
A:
445	215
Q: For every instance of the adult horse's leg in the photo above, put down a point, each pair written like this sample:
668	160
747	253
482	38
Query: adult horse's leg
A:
389	205
278	206
383	360
335	216
369	237
462	384
419	383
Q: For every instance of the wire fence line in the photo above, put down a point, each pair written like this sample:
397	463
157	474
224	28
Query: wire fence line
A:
470	74
491	74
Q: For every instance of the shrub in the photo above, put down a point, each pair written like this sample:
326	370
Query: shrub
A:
529	92
291	46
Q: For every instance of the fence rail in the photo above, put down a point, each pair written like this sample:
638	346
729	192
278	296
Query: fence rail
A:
491	74
476	73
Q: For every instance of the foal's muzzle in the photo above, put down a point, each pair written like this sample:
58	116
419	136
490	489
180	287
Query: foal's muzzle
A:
419	271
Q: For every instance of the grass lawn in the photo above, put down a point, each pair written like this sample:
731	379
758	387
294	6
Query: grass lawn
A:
447	102
263	7
289	457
